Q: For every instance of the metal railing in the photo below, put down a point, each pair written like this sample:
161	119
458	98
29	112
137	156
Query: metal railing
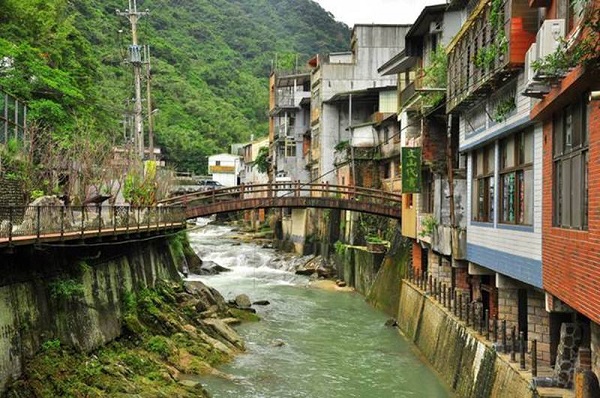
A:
458	304
26	224
287	189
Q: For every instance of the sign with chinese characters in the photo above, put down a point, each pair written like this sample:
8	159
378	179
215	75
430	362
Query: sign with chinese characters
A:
411	170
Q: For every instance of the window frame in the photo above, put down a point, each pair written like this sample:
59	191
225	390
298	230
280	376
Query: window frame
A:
519	169
483	180
570	211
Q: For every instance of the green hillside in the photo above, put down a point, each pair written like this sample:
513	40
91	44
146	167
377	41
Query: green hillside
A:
211	60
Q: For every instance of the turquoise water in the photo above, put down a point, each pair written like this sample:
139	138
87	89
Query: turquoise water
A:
310	342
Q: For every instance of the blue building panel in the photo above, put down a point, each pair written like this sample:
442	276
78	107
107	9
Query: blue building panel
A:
524	269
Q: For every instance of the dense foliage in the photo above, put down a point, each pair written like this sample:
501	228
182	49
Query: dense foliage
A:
211	61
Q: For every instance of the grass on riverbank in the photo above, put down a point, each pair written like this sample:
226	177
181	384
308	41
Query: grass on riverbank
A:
163	340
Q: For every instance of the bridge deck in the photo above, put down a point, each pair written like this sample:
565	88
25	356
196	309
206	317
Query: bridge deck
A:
290	195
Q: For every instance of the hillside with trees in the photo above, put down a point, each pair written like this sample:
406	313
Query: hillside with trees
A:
210	65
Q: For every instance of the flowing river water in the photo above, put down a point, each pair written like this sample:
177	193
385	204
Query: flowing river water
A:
309	342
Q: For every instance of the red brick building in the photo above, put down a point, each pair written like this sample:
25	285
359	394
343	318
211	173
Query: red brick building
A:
570	112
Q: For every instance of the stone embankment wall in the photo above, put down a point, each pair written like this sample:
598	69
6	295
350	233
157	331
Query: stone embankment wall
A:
358	267
75	296
468	365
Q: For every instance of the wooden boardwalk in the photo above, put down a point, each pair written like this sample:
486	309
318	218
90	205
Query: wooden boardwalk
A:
53	225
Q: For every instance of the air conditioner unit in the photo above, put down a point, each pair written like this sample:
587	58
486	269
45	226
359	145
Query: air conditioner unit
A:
533	87
530	58
549	36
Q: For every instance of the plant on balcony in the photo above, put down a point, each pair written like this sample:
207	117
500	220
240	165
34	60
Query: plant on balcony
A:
342	146
486	56
428	225
503	109
435	76
582	48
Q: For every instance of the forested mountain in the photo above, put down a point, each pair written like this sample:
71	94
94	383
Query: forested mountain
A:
211	61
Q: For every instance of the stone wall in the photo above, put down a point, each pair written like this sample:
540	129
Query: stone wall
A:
11	194
73	296
468	365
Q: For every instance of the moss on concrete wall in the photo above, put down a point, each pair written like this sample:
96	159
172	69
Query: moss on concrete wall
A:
468	365
72	295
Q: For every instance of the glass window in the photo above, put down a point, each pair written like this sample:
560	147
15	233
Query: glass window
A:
516	179
570	180
483	186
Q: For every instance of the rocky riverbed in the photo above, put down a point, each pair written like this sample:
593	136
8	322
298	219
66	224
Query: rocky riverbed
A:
172	334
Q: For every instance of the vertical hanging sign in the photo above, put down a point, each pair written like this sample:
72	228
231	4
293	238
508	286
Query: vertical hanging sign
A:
411	170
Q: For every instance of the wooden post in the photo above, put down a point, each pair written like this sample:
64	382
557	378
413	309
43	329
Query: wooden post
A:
534	369
38	223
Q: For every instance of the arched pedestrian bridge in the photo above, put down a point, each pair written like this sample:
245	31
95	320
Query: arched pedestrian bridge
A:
289	195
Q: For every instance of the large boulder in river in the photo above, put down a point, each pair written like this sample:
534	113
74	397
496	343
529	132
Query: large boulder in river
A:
317	265
206	296
243	301
211	268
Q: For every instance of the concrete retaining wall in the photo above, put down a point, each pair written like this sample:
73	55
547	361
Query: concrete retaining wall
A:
470	366
86	315
358	267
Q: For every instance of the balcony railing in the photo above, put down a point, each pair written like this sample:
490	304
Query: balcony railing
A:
489	48
407	94
283	131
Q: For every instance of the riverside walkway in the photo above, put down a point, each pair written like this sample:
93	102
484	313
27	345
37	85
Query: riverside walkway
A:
31	225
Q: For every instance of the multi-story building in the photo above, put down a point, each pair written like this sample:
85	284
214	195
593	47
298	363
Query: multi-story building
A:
568	109
433	210
249	153
504	151
289	123
345	89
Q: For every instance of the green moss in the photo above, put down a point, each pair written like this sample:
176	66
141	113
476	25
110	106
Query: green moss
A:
160	341
66	289
244	316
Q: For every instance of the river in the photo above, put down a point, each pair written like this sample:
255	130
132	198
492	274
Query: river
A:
310	342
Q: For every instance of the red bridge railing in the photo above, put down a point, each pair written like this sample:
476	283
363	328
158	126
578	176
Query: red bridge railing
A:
285	190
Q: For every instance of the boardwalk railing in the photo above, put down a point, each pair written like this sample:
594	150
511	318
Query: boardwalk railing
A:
287	194
34	224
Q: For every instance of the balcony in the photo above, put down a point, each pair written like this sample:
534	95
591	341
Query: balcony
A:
488	50
407	95
285	131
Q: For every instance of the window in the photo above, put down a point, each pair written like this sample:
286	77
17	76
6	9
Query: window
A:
571	158
482	187
290	149
427	192
387	170
516	179
218	163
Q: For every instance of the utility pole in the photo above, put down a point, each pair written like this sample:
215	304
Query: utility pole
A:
149	105
135	58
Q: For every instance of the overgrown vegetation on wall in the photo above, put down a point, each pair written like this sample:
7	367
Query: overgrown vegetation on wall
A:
163	340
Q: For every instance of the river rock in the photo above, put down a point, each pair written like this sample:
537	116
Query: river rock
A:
391	323
278	343
211	268
261	302
243	301
207	296
340	283
225	331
